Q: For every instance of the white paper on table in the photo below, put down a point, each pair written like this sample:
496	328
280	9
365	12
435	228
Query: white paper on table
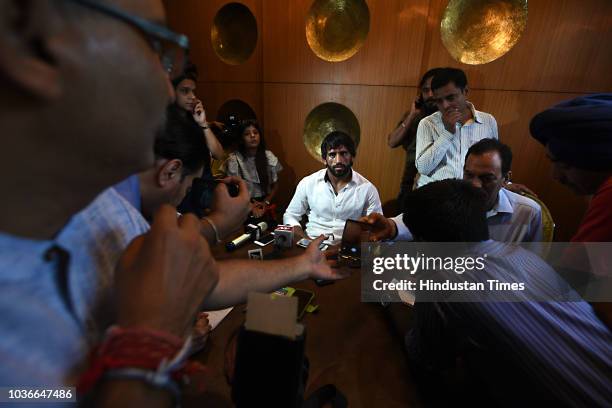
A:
215	316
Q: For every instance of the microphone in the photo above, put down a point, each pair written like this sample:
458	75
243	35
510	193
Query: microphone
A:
252	232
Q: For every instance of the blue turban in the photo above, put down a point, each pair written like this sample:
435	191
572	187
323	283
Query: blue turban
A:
578	132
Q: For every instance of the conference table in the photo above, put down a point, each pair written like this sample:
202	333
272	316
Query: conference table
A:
349	344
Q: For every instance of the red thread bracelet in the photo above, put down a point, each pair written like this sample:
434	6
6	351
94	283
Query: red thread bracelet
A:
140	348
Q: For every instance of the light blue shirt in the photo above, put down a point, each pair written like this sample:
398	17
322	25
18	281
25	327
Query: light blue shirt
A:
130	190
513	219
44	335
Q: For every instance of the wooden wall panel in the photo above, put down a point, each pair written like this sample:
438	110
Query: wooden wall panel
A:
391	53
566	47
194	18
214	95
377	109
565	50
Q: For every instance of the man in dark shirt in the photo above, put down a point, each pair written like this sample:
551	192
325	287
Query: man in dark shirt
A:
405	133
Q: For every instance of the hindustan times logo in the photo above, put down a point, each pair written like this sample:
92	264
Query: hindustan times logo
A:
421	262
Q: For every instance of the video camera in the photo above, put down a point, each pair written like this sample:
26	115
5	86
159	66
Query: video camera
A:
229	132
201	195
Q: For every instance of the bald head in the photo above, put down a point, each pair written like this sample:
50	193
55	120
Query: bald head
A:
80	98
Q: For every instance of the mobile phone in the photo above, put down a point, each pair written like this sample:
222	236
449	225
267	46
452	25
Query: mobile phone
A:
419	103
265	240
304	298
304	242
323	282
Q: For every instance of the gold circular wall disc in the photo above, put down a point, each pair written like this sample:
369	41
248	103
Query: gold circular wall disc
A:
234	33
337	29
480	31
327	118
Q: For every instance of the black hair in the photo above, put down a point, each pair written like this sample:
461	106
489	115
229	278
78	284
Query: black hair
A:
189	72
493	145
447	211
261	160
429	74
180	139
336	139
447	75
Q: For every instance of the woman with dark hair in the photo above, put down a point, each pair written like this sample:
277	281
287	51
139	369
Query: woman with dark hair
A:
188	106
188	109
256	165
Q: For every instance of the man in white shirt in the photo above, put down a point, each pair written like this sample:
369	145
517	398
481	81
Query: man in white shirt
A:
445	136
512	218
332	195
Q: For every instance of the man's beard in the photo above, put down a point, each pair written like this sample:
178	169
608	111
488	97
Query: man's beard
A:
342	172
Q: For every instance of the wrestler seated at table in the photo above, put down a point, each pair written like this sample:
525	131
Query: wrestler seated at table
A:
334	194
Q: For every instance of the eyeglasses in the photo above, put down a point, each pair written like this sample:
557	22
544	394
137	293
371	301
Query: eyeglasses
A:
172	48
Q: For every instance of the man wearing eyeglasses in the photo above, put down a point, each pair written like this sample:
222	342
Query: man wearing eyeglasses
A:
83	87
82	93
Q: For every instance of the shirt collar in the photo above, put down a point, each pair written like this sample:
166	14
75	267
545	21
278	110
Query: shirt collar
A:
325	178
475	113
503	204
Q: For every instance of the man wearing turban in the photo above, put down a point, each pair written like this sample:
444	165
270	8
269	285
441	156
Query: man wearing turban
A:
578	137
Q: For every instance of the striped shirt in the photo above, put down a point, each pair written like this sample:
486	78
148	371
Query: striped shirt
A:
522	353
440	154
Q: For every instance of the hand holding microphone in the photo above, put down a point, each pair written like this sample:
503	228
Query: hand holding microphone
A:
453	119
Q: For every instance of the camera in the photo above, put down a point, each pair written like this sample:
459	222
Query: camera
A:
201	195
230	128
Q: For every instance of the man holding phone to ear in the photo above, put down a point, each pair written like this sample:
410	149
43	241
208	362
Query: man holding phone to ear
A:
405	133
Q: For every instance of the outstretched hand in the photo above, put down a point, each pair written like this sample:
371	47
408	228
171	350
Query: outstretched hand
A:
382	227
319	264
